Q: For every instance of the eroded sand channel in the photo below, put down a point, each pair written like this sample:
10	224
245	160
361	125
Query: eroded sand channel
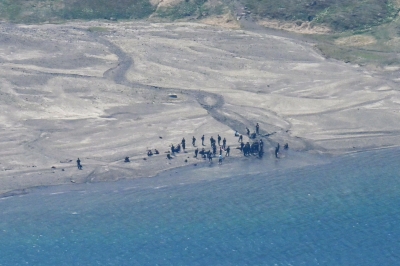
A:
101	95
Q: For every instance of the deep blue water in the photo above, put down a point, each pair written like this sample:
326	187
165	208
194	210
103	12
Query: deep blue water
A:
343	212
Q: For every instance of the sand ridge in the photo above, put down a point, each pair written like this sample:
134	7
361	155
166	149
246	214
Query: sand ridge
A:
68	92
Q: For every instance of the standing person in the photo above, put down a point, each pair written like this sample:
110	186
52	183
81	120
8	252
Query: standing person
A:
196	151
240	138
228	150
214	149
220	159
209	155
224	143
183	142
220	150
219	140
202	140
194	141
248	131
241	146
212	141
78	164
172	149
257	129
276	151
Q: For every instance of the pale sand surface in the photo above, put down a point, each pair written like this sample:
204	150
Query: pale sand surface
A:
101	96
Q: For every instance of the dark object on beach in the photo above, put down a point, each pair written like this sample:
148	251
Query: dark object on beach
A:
149	153
78	164
127	159
160	137
277	151
257	128
195	164
145	159
240	138
202	140
248	131
186	161
53	167
174	96
224	143
62	170
169	156
196	151
183	142
156	151
253	135
269	134
194	141
286	146
219	140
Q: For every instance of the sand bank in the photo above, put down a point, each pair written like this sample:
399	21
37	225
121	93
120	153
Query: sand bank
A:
101	92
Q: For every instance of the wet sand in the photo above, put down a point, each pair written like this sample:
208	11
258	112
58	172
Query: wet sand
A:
102	91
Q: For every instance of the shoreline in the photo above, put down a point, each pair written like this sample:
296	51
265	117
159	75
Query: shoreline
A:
237	165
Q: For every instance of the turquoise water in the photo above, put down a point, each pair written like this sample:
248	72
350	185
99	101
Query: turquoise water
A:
344	212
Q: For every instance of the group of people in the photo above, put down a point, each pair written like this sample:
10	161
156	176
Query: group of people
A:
256	148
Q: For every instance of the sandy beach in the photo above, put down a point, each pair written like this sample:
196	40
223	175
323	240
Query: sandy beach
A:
102	91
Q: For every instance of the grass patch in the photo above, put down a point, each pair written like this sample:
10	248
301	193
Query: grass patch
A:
184	9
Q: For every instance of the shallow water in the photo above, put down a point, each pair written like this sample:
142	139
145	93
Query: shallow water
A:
344	212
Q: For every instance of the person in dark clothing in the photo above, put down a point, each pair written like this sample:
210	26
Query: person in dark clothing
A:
286	146
248	131
127	159
220	150
78	164
241	146
240	138
202	140
202	153
212	141
260	153
196	151
247	148
194	141
209	155
257	129
156	151
219	140
172	149
149	153
228	150
183	142
224	143
214	149
276	151
169	156
261	144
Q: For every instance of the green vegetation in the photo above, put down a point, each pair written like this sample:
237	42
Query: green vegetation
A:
106	9
181	10
339	15
375	23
